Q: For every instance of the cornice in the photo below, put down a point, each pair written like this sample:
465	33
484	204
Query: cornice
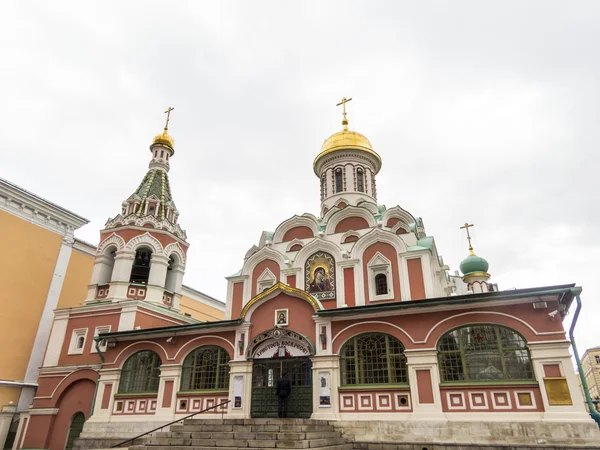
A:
28	206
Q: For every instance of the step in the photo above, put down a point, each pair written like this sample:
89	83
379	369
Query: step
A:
257	446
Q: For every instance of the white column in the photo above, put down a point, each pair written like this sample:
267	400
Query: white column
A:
102	272
45	325
171	373
174	279
157	278
6	418
404	279
123	264
424	360
328	369
558	353
240	386
105	377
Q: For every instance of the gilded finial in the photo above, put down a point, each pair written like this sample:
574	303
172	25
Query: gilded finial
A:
344	120
168	113
466	226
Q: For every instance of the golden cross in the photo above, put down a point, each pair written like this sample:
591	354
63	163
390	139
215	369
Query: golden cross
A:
466	226
168	113
343	102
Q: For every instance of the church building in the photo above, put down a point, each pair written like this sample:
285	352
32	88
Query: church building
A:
353	303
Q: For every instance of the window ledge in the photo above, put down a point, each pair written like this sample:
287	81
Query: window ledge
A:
381	298
489	383
204	391
137	394
373	387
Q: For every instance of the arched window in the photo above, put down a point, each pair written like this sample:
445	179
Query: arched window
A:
140	373
206	368
151	210
484	353
381	287
360	180
140	271
75	429
339	180
373	358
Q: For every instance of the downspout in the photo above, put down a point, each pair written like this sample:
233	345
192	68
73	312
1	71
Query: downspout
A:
97	341
593	412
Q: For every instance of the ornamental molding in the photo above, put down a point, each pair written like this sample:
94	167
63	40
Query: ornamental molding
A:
347	157
175	248
374	236
139	221
38	211
278	335
314	246
292	243
261	255
113	239
294	222
277	288
145	239
397	212
346	213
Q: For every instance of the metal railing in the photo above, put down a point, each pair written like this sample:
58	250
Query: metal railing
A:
174	422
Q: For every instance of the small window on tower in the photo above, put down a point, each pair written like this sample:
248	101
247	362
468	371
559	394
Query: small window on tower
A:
360	181
381	287
162	153
339	180
151	210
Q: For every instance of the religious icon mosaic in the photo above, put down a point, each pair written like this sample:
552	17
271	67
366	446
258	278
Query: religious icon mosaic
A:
320	276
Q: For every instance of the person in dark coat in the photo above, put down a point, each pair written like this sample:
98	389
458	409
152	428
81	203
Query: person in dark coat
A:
283	391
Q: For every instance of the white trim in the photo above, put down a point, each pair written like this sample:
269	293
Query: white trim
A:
293	242
97	331
346	213
449	400
360	396
77	333
378	396
373	321
516	393
379	264
194	348
472	403
44	328
397	396
265	281
498	405
308	221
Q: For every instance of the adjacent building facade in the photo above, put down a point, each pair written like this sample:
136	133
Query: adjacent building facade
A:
591	370
354	304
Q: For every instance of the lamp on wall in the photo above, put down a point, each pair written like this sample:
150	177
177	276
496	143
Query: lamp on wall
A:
323	338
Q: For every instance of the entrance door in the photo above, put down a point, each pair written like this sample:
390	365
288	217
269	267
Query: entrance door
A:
265	373
75	429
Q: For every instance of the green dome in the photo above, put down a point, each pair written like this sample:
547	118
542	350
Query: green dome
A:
473	263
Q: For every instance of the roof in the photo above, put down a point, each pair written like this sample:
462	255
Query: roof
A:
155	183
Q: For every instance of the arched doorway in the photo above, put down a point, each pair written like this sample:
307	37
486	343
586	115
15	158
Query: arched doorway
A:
274	353
75	429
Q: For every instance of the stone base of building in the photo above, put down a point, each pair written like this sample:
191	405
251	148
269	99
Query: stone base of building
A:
97	435
400	435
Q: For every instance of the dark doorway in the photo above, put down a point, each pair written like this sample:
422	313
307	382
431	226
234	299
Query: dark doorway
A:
265	373
75	429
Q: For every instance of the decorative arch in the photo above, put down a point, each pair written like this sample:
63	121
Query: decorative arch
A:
175	248
374	236
261	255
314	246
397	213
295	222
350	234
140	372
276	334
65	383
292	245
484	352
272	292
366	327
401	228
251	251
347	212
137	346
320	276
205	368
192	344
113	239
341	203
145	239
368	205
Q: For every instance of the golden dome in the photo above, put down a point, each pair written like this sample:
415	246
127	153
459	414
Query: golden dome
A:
164	139
347	140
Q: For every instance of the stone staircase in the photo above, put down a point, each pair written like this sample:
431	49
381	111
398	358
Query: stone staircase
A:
231	434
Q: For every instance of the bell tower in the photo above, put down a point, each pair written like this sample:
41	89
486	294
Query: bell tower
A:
347	166
142	251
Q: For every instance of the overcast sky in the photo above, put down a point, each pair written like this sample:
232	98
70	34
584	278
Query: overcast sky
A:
484	112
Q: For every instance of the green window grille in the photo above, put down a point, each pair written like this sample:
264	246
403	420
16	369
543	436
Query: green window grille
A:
373	358
484	353
206	368
140	373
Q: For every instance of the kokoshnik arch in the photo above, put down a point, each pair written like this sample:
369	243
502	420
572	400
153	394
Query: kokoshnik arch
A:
354	303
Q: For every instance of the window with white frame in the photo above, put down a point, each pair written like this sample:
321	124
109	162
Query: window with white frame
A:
77	341
102	343
380	282
265	281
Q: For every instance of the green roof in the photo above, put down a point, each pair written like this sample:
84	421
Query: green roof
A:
155	183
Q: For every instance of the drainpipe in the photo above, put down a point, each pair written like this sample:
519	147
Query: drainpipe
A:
97	341
593	412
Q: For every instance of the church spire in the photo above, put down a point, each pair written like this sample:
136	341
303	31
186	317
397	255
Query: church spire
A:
474	268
